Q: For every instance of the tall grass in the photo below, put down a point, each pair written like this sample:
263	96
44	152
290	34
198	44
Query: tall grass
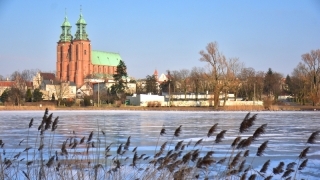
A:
90	157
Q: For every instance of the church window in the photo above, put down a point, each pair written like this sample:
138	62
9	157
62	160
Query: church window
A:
77	52
85	52
61	52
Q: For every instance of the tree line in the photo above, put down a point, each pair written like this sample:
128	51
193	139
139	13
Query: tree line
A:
222	75
19	92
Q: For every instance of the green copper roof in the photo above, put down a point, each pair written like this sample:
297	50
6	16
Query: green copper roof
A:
66	22
105	58
66	28
81	33
81	20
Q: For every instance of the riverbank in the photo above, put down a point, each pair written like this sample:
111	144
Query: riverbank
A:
139	108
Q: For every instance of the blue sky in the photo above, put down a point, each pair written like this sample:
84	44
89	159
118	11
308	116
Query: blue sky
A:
163	34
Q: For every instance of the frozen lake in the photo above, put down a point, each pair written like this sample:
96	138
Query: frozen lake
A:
287	132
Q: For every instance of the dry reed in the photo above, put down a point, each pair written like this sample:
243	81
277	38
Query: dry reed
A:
180	162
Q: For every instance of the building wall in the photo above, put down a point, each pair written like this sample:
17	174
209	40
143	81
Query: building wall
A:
61	90
143	99
74	62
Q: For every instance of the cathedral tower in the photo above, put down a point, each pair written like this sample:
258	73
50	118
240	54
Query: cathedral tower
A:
73	55
63	51
81	49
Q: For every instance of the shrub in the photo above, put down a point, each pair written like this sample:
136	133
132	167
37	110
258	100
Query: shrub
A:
87	101
267	102
118	103
67	102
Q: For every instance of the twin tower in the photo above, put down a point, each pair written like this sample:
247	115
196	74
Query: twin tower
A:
75	59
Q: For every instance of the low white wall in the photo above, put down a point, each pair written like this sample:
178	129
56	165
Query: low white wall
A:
144	99
242	103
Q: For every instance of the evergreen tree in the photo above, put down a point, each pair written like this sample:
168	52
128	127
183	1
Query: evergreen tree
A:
28	96
37	95
4	96
288	88
53	98
151	84
268	82
120	84
87	100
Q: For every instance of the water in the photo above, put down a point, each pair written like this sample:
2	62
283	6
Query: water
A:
287	132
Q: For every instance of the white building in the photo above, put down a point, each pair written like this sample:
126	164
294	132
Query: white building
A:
63	90
131	87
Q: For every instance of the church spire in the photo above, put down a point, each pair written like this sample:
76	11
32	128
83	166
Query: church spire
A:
81	33
66	28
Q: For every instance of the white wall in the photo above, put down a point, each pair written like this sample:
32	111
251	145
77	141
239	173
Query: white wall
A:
203	100
143	99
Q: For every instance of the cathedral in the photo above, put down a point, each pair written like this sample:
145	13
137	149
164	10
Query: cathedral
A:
75	59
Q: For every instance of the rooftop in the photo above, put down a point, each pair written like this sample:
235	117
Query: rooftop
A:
105	58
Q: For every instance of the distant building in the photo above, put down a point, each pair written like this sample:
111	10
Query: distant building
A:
22	85
85	90
131	87
63	90
76	60
41	76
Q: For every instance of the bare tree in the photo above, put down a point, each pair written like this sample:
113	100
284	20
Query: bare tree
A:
251	84
182	78
19	87
312	64
300	82
152	84
230	81
28	74
217	64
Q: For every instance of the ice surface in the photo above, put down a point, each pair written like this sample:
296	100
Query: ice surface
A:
287	133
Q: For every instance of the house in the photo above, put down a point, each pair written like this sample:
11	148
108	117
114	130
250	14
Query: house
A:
131	87
85	90
41	76
22	85
5	85
56	89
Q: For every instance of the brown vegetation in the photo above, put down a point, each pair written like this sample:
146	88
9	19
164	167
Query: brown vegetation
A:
80	159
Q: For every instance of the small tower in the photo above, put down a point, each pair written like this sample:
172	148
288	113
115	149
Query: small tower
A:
156	74
63	50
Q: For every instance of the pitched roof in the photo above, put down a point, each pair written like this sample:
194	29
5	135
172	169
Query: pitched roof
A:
155	73
29	84
12	83
48	76
105	58
6	83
